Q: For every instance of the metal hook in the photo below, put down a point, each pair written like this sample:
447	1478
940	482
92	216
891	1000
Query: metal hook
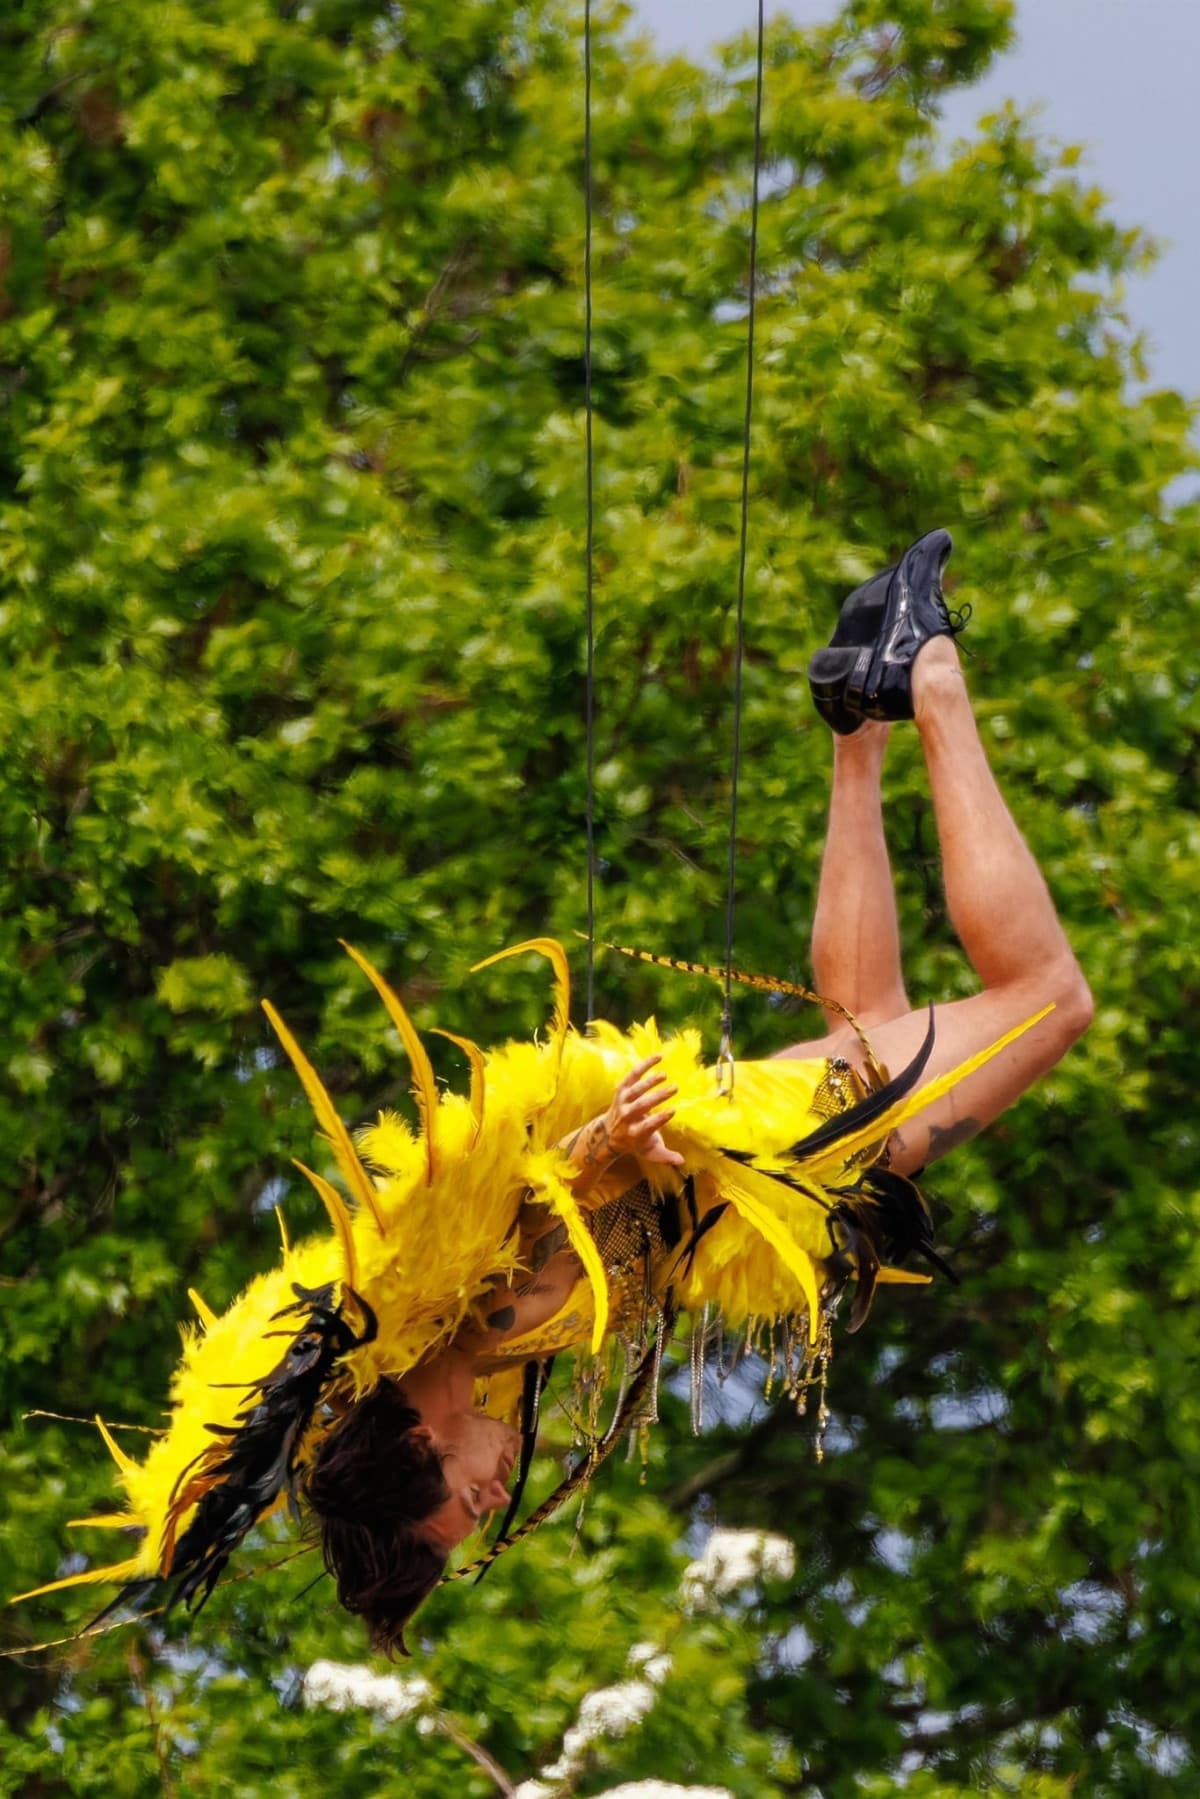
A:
725	1061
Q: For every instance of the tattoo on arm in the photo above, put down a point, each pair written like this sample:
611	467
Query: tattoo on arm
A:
597	1145
943	1139
591	1148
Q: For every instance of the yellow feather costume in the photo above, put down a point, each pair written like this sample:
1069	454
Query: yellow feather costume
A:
433	1229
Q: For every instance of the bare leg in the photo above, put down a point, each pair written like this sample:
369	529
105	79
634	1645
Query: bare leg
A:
856	939
1005	918
998	901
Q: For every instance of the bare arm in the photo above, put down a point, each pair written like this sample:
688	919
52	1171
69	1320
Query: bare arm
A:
632	1125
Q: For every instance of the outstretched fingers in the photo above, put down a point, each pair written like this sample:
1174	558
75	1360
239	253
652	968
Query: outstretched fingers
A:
641	1079
641	1111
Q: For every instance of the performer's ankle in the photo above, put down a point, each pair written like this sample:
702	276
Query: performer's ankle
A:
936	675
866	746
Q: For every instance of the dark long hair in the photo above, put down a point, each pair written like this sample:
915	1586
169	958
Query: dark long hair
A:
377	1476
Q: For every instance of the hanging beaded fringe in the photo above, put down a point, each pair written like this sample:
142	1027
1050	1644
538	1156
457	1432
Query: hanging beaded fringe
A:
813	1371
792	1363
795	1368
697	1353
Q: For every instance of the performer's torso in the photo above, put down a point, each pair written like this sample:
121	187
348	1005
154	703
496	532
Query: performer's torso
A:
637	1233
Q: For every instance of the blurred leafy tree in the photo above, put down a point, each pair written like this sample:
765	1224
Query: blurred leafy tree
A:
291	508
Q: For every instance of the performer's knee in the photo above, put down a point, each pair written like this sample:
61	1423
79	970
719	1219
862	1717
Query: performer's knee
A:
1074	1007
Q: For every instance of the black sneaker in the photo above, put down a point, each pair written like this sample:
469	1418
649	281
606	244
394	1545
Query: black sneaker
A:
862	612
853	679
858	624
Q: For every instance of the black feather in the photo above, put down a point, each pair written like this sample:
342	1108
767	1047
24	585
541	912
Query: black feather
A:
865	1111
905	1223
246	1469
855	1251
882	1219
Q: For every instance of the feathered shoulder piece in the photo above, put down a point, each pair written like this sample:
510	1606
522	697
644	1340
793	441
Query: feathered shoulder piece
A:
424	1226
427	1223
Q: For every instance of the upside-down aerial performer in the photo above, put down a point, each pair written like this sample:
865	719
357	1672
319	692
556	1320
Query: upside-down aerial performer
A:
589	1189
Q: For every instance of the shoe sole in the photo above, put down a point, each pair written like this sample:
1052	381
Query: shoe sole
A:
827	674
858	625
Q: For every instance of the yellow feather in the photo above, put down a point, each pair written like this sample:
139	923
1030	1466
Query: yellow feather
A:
764	1259
913	1103
284	1239
105	1521
475	1057
556	955
204	1313
125	1463
560	1196
424	1085
779	1237
339	1218
90	1577
901	1277
353	1170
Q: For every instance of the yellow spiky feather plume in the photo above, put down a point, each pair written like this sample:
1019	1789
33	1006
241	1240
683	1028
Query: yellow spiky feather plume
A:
434	1211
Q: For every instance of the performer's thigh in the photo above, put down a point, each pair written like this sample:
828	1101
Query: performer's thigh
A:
962	1028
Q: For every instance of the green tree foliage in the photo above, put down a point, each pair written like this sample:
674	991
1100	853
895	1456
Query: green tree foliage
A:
291	529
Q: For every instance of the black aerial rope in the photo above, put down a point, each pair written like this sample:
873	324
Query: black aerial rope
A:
589	606
726	1055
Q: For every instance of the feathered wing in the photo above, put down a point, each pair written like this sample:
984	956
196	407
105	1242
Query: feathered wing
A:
353	1172
780	1167
219	1366
431	1232
126	1570
478	1062
434	1228
424	1085
548	1184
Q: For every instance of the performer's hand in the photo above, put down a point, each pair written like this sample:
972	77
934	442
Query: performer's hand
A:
634	1123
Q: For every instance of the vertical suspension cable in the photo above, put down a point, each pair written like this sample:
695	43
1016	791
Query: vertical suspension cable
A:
589	602
726	1055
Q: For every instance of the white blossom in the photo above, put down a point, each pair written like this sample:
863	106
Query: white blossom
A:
734	1559
608	1712
664	1789
652	1663
611	1711
634	1789
348	1686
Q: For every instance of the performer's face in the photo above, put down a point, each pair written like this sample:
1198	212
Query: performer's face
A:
479	1454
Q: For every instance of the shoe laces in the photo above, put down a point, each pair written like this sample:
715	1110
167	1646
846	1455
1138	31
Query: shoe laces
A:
958	618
